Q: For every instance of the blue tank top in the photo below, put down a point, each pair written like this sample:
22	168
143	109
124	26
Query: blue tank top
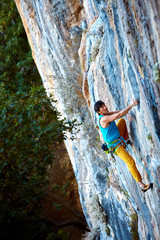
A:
109	133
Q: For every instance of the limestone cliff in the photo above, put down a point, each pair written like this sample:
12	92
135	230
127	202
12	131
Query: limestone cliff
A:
87	50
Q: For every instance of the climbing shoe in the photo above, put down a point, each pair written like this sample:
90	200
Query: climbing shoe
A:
147	187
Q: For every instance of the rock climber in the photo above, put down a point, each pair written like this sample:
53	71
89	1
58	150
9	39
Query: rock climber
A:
114	134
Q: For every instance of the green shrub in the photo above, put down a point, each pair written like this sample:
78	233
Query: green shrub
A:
30	130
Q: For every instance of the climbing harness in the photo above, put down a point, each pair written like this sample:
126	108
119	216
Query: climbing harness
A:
109	149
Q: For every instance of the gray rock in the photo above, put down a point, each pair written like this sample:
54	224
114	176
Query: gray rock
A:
109	50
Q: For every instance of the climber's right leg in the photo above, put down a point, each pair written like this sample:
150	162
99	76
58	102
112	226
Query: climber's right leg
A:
124	155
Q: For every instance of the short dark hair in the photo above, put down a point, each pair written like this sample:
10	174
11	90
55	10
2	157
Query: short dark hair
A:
97	105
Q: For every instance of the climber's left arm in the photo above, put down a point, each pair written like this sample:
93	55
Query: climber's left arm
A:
128	116
110	113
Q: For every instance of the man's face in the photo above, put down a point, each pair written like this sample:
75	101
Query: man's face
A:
103	110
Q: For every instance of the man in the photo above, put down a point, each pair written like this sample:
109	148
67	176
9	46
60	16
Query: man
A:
112	132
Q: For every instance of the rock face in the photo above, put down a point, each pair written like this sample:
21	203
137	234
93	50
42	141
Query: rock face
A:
87	50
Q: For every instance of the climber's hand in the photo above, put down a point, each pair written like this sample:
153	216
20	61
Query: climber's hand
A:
129	117
134	103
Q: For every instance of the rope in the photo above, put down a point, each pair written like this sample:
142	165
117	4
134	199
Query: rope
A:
140	161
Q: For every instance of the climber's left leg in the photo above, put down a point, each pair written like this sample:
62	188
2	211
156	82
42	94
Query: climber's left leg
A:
121	124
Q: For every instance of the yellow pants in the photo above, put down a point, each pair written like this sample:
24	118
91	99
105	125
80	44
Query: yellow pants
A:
123	154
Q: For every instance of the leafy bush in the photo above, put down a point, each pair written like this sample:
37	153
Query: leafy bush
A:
30	130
